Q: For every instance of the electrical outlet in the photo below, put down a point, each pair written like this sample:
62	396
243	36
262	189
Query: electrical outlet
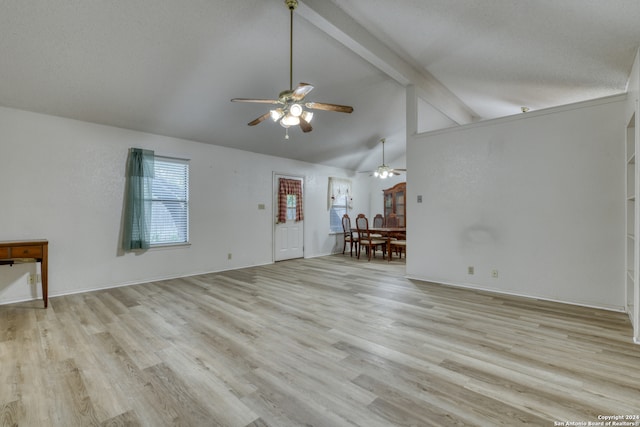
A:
494	273
32	279
470	270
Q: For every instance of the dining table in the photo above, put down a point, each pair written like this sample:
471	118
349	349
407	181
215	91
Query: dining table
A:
388	233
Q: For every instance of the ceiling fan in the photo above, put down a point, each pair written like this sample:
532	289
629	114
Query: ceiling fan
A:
291	108
383	171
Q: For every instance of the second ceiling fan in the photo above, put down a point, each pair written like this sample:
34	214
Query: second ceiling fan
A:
291	108
383	171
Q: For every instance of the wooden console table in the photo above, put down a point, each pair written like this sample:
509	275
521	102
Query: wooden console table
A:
16	250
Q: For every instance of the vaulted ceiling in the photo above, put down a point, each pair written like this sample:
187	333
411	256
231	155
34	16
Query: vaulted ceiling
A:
171	67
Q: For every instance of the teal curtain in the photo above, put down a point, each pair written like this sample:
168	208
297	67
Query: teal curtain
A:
137	214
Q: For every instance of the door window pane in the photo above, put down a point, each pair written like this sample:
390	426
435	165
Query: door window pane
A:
291	207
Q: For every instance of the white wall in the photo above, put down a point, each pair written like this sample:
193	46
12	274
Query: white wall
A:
538	196
63	180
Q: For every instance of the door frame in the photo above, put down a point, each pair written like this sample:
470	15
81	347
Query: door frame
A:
275	204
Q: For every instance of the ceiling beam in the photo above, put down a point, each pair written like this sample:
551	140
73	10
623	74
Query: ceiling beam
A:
332	20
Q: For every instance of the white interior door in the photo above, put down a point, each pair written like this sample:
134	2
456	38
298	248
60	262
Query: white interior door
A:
289	235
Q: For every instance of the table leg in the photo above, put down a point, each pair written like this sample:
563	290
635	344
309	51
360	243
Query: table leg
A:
44	267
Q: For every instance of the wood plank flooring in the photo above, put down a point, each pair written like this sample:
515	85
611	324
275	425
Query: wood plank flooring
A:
328	341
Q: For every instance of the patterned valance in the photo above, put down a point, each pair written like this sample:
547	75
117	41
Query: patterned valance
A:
339	188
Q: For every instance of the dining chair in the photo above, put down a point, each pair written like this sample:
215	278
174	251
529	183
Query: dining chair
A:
392	220
366	239
378	221
399	246
349	235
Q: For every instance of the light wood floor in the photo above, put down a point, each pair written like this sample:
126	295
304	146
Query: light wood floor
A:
320	342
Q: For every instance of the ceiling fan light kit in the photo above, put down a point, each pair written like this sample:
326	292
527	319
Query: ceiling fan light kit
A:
383	172
292	110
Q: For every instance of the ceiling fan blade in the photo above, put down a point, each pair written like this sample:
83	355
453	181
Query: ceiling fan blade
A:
305	126
401	170
329	107
301	91
259	119
259	101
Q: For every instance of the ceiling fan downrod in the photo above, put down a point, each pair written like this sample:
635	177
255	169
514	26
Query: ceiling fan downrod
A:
291	4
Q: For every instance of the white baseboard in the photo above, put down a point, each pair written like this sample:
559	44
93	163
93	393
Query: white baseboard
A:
519	294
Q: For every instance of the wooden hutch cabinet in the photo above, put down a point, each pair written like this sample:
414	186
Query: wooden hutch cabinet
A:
394	203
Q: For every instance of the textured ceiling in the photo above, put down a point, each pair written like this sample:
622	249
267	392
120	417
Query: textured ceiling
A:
499	55
170	67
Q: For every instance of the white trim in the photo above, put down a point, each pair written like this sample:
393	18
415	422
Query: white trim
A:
522	116
161	246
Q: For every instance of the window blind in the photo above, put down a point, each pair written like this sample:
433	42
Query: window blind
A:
170	201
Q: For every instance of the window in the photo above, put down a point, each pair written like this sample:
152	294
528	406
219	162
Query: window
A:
337	210
290	200
339	202
170	202
291	207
